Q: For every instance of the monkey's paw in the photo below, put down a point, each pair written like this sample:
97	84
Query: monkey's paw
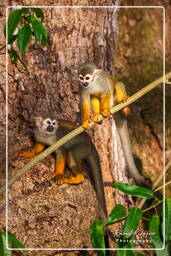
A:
95	118
59	180
26	154
86	123
105	112
124	99
126	111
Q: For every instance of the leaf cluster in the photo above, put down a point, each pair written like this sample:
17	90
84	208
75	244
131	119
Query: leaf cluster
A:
126	239
23	25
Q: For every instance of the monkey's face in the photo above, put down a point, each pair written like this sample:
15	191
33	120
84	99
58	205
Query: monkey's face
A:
47	126
86	80
85	73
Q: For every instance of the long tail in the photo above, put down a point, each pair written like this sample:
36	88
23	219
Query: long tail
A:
121	123
96	173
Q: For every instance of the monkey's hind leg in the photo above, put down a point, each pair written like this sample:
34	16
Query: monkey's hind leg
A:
75	167
60	166
122	96
37	149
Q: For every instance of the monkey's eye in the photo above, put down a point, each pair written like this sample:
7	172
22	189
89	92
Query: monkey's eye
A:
54	123
87	78
81	77
48	122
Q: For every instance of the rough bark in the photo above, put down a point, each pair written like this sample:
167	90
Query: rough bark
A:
40	213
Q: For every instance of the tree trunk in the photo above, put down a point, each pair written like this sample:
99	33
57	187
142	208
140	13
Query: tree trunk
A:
39	212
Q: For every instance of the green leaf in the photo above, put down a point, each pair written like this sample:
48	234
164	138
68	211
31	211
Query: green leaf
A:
132	221
97	236
14	241
127	252
154	233
134	190
13	21
168	219
14	56
117	213
44	40
12	39
1	245
26	11
39	30
164	252
24	36
5	251
39	13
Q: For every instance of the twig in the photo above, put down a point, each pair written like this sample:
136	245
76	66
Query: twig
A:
149	208
167	82
169	182
142	202
80	129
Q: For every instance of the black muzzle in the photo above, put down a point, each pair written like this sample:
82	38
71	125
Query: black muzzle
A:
85	84
50	128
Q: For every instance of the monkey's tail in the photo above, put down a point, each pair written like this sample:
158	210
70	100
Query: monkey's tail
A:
94	164
121	123
96	173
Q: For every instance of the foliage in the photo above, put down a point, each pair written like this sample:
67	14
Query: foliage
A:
23	25
12	241
97	236
134	190
126	239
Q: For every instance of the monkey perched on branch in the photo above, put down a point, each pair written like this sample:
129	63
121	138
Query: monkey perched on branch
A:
48	130
99	92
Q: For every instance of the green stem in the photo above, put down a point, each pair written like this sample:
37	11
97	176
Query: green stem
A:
80	129
149	208
164	185
142	202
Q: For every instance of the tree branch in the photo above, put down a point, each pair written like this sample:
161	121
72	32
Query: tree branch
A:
142	202
80	129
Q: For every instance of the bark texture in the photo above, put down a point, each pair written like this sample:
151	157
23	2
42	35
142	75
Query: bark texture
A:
40	213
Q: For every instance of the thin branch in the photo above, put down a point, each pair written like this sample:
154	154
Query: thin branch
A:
154	205
80	129
142	202
167	82
163	186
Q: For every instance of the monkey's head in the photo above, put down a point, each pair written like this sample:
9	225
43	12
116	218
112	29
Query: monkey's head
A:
46	124
85	73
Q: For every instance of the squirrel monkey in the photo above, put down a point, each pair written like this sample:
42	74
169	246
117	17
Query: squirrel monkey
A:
99	92
47	131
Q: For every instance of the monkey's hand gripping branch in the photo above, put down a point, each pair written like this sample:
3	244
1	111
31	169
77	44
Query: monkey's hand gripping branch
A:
80	129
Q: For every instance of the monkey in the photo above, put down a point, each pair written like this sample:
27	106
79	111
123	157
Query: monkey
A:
99	92
80	148
44	134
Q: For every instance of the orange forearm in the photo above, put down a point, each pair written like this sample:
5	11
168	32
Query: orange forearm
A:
37	149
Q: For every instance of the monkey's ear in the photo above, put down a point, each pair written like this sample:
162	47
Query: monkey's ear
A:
76	71
38	121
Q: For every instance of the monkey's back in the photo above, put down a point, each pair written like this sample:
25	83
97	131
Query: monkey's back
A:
82	140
